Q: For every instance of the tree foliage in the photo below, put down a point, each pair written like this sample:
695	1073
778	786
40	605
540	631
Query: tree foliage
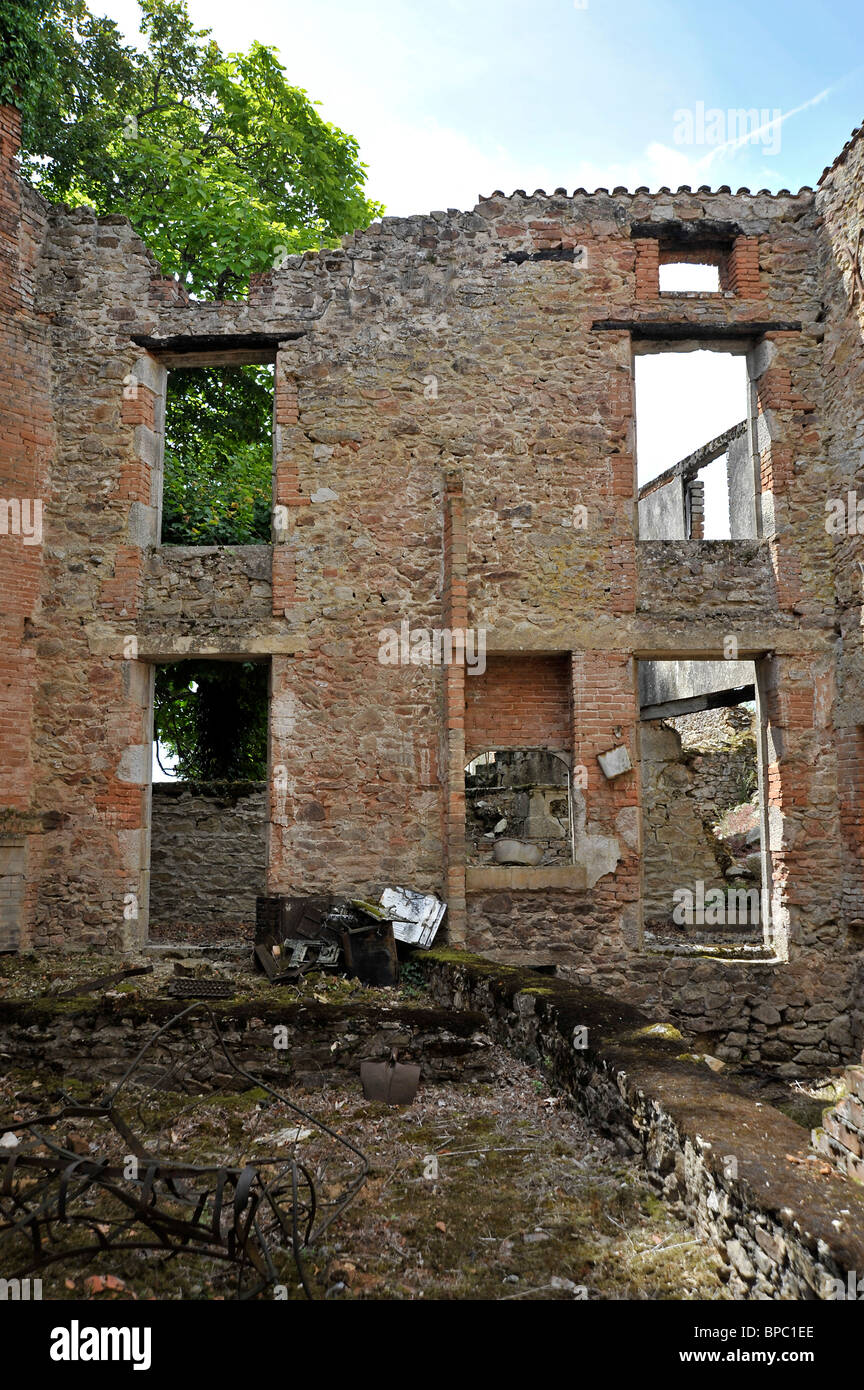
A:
212	717
28	63
218	456
223	167
218	161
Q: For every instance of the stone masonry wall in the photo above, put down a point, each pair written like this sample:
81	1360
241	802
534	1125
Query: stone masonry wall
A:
454	442
26	448
98	1039
840	1137
842	473
738	1173
683	796
676	846
208	856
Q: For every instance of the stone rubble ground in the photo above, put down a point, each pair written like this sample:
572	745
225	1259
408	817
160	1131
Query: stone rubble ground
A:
529	1203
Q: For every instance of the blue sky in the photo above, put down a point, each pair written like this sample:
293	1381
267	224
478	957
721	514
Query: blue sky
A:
457	98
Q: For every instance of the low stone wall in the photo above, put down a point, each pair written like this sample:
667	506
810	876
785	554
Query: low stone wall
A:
840	1138
97	1040
207	854
739	1170
219	581
707	577
793	1016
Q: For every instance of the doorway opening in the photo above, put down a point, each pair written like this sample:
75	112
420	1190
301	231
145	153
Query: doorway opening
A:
209	810
706	872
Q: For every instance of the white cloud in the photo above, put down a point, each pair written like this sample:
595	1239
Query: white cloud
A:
418	168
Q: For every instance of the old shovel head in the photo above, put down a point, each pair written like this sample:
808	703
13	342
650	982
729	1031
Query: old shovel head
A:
393	1082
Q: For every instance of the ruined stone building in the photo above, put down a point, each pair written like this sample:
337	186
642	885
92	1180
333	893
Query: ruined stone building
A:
454	450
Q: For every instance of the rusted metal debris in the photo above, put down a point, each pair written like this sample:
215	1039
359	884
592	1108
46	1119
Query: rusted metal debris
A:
269	964
102	981
201	988
58	1205
416	917
369	948
294	935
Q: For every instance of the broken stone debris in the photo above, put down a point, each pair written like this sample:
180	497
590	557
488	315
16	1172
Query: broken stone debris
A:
516	852
615	762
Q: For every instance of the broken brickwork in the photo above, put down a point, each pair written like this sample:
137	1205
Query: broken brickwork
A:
453	448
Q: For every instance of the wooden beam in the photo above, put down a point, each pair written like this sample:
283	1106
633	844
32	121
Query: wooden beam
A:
716	699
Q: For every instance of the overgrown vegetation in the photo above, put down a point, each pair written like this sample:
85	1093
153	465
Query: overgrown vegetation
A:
477	1191
219	162
212	717
223	167
218	456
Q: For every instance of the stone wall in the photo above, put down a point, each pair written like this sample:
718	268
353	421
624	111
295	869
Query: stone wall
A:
801	1018
678	849
208	856
742	1178
208	581
840	273
27	444
97	1040
840	1137
453	446
527	793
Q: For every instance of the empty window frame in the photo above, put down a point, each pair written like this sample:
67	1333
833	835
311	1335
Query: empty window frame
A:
218	454
517	808
689	277
695	468
694	258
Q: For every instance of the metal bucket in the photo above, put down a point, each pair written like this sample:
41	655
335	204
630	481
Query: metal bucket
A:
393	1082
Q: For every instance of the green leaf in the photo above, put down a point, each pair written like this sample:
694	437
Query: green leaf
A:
226	160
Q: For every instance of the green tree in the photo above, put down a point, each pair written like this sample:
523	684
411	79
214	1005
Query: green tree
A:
218	161
223	167
218	456
28	63
212	717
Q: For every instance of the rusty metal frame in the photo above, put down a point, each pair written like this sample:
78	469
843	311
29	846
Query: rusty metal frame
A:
235	1213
